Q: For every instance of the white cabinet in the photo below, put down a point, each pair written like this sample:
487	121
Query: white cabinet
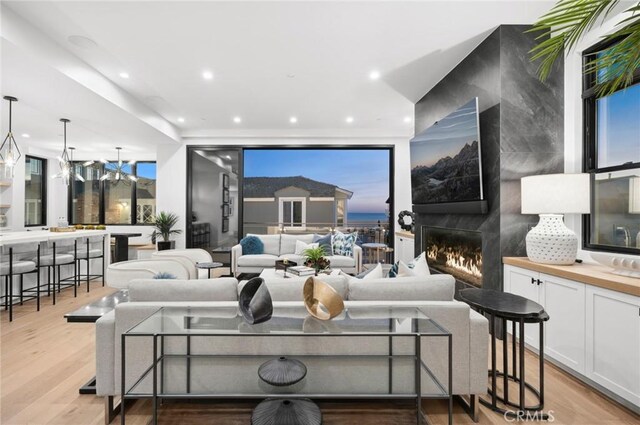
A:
613	341
404	248
592	330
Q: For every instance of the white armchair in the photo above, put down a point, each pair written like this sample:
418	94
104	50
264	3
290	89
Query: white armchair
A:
120	274
188	257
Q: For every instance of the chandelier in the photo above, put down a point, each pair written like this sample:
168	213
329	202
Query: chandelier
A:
118	174
76	175
9	151
63	159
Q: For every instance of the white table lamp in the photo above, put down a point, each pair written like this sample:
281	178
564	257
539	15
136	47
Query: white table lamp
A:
551	196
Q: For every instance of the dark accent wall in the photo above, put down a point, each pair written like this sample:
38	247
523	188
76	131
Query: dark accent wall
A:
521	134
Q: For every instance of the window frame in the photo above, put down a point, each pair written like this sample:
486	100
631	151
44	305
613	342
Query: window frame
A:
43	212
590	153
292	225
102	195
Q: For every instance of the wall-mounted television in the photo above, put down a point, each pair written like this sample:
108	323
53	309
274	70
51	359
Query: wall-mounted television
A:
446	165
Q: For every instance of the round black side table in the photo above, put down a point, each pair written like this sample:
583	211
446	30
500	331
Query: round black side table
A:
208	266
518	310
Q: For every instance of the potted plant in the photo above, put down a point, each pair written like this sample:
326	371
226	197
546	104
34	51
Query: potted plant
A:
164	223
315	258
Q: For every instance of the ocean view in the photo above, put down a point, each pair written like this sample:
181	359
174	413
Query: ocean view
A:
353	217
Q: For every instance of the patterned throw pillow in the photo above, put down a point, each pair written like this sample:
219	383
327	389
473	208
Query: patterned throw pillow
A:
418	267
251	245
343	243
164	275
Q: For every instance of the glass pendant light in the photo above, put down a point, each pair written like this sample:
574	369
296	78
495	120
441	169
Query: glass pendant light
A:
63	159
9	151
118	173
77	176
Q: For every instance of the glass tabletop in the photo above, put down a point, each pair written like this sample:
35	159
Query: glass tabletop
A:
360	320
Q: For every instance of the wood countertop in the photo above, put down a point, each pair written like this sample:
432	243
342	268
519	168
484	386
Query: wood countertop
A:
592	274
405	234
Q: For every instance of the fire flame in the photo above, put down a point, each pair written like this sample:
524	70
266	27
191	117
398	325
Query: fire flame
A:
470	264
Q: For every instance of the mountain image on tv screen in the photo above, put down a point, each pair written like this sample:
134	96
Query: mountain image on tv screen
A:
445	159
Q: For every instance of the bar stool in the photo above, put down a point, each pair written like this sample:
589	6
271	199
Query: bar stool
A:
55	260
87	249
18	266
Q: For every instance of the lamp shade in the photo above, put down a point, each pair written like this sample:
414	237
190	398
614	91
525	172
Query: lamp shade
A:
556	194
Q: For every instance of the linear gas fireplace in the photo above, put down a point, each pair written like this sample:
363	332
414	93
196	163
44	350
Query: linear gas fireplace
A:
455	252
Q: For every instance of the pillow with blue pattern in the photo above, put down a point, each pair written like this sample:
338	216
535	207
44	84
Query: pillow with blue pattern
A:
343	243
164	275
251	245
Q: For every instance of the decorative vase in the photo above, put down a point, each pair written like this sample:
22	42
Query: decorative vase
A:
255	302
551	242
286	412
282	372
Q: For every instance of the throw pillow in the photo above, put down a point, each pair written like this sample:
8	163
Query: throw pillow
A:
324	242
251	245
420	266
301	247
343	243
404	270
164	275
375	273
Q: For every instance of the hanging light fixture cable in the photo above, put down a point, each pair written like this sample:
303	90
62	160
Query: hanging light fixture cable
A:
9	151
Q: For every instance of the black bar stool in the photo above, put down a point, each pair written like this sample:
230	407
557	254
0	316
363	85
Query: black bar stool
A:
18	266
55	260
88	249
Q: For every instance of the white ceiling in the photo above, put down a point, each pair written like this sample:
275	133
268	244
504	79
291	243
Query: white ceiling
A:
271	61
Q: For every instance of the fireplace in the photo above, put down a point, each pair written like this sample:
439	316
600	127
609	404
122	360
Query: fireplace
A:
455	252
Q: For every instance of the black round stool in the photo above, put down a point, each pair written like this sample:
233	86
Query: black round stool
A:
518	310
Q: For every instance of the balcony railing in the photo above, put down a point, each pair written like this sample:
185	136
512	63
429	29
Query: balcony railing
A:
367	231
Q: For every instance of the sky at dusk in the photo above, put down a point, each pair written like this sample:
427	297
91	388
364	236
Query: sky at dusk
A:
447	137
365	172
619	127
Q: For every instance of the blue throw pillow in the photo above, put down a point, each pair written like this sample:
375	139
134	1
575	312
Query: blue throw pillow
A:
343	243
324	242
252	245
164	275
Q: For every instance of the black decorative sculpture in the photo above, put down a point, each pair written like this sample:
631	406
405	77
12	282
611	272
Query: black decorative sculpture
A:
286	412
406	220
255	301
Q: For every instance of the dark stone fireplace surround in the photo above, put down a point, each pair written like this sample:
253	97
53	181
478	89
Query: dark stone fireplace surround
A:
521	134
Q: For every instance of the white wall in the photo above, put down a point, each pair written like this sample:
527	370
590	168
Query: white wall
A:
172	168
573	136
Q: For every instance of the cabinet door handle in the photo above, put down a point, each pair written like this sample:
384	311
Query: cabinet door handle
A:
533	280
539	282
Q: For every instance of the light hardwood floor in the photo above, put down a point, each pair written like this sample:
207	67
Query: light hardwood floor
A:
45	360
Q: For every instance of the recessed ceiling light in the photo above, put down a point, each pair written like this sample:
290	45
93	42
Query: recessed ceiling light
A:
237	120
124	75
374	75
293	120
407	119
291	75
207	75
180	119
25	135
349	120
81	41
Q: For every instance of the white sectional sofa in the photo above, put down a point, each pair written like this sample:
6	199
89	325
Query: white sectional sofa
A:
281	246
433	295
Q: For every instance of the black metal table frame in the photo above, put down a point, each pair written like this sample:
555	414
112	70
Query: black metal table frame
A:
210	265
419	366
532	411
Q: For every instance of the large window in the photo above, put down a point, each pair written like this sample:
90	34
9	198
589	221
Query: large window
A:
111	201
612	156
35	191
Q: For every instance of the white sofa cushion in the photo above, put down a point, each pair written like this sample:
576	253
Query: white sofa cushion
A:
222	289
288	242
271	243
341	261
438	287
301	247
258	260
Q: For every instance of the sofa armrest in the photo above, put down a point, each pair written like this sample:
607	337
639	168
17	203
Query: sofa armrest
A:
236	252
105	354
357	255
479	351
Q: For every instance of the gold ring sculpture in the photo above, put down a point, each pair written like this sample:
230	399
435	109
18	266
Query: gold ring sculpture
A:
321	300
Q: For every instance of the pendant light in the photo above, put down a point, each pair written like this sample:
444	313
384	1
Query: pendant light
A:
9	151
119	174
76	175
63	159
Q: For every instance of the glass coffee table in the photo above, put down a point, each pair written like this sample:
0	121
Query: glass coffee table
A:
387	348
